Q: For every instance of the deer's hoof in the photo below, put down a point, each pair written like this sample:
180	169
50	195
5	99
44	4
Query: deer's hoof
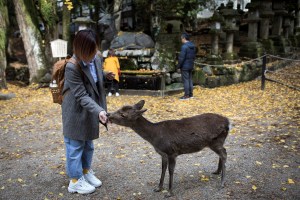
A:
222	185
169	194
158	189
216	172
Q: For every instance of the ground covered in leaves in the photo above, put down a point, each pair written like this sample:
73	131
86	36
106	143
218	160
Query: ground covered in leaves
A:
263	147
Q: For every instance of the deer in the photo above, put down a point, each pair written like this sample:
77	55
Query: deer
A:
172	138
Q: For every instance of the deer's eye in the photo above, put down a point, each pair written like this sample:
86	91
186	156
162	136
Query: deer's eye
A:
122	115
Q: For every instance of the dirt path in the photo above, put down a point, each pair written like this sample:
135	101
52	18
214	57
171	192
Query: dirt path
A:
263	148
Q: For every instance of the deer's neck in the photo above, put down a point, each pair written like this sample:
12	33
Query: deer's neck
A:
145	129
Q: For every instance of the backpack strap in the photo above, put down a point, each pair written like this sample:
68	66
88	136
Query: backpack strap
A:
76	63
73	61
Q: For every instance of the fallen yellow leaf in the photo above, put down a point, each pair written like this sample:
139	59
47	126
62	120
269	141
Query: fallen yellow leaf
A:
120	156
204	178
291	181
258	163
254	187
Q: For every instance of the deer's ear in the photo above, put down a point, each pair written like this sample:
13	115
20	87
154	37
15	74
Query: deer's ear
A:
139	105
140	112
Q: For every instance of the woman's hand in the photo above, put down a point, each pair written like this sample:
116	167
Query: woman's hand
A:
103	117
110	75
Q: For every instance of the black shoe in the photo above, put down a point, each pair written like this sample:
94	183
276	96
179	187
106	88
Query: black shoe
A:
184	97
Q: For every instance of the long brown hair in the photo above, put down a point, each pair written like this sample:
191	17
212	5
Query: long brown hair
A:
85	44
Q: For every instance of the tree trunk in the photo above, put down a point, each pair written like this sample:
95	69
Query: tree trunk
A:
66	18
155	19
3	42
117	6
31	38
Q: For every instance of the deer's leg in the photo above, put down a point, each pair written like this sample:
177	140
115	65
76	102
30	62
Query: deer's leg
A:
221	151
163	173
219	167
172	163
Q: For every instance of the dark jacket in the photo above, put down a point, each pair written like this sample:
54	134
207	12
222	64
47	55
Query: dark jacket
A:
82	102
187	56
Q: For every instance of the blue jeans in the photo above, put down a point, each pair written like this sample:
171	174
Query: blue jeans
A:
79	156
187	80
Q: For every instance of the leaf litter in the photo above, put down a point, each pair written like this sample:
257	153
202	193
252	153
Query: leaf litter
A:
268	120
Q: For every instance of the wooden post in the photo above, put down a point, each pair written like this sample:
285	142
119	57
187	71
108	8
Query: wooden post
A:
162	84
263	70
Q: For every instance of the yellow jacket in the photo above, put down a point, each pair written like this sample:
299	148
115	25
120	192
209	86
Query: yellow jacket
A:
112	64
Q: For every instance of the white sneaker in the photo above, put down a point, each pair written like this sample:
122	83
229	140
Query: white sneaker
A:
117	94
109	94
92	179
81	187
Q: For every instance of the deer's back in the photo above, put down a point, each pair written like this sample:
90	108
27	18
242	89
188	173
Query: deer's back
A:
190	134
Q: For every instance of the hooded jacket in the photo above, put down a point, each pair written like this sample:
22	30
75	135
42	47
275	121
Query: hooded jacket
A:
187	56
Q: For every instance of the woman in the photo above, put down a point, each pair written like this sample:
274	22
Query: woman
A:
84	105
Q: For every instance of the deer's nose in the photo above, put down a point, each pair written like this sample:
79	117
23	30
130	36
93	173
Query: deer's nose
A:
107	114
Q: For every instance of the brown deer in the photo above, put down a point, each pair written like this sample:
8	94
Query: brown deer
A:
175	137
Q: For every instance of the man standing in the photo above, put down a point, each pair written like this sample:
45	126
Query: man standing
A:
186	64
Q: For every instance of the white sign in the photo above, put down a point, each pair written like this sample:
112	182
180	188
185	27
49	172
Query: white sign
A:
59	48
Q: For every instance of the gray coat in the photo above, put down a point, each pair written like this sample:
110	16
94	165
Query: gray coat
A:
83	101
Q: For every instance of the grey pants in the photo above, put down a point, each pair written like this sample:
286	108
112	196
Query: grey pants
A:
187	80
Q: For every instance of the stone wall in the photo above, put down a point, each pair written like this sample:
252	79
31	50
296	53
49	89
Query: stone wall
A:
210	76
216	76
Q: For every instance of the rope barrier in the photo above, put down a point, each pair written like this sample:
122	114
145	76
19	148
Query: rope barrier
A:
244	62
282	58
287	85
264	70
292	76
286	74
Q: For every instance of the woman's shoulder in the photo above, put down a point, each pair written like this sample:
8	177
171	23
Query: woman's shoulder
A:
71	65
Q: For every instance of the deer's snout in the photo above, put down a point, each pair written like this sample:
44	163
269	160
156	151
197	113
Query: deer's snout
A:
108	117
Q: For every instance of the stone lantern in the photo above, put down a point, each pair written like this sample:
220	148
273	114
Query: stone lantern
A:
84	23
297	28
252	48
298	18
215	32
286	25
291	20
266	14
230	15
279	41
